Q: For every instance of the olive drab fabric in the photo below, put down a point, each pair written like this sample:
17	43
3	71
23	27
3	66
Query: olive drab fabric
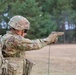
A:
13	50
18	22
15	66
0	57
14	45
0	52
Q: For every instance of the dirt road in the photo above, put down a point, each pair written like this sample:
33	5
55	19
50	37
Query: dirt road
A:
62	60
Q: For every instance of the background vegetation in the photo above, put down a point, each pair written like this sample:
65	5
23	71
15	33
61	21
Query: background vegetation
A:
45	16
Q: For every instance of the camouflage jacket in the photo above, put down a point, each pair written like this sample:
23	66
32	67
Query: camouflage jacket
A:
14	45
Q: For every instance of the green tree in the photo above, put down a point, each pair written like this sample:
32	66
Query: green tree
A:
62	14
41	23
2	9
74	16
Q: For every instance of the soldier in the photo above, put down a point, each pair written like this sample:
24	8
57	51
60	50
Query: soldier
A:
14	44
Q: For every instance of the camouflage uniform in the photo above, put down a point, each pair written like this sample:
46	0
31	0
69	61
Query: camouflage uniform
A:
14	47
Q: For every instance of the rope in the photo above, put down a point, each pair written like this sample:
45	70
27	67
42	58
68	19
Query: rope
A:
49	61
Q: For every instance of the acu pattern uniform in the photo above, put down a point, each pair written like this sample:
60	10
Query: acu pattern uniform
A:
14	45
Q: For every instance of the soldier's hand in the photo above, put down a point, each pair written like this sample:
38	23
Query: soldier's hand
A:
52	38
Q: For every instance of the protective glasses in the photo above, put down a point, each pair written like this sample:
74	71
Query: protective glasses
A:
25	31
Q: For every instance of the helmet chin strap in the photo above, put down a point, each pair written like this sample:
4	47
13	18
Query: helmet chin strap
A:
16	32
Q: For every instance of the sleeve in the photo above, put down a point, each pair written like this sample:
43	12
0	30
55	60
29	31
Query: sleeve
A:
1	56
22	43
35	44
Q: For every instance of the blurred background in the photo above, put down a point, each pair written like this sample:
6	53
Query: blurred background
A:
45	16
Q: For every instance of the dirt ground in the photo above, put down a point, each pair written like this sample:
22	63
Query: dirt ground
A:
62	60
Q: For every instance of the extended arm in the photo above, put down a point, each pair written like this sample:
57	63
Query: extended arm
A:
22	43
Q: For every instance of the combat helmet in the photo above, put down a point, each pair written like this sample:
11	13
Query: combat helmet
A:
19	23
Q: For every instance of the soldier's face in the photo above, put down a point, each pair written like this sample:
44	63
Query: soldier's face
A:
24	32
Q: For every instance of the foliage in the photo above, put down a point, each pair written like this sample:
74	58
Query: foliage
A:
44	15
2	31
41	23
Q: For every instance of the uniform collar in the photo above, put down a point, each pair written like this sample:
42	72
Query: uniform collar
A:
10	32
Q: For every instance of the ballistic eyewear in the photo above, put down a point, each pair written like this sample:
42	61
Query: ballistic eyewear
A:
25	31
